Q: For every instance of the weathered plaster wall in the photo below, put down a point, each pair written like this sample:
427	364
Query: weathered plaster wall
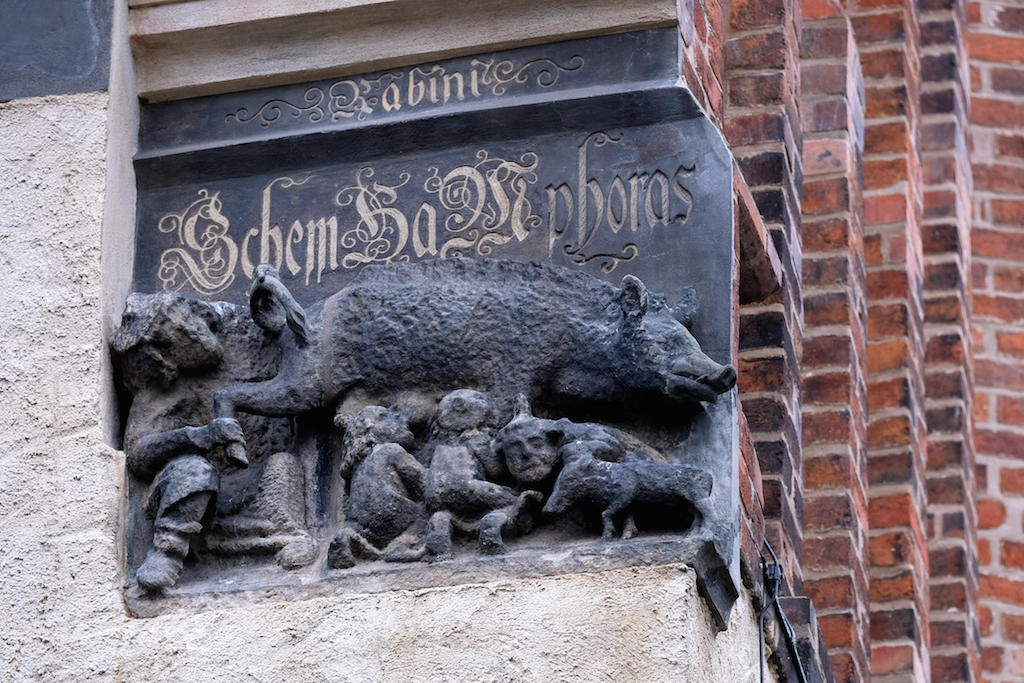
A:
60	484
644	624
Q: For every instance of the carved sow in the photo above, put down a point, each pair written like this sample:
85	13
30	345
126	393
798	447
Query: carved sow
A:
501	327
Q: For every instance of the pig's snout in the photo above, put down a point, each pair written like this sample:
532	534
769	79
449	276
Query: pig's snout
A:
721	381
700	377
699	367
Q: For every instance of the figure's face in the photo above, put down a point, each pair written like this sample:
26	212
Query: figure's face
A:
377	425
530	448
462	409
161	334
186	340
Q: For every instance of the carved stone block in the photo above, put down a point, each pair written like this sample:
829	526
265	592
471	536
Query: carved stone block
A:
498	343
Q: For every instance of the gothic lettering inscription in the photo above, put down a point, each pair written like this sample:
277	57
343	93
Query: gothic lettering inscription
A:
397	214
206	255
479	306
416	87
613	207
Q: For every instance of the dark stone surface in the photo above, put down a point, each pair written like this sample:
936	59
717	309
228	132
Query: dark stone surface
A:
53	47
505	327
218	587
172	354
472	311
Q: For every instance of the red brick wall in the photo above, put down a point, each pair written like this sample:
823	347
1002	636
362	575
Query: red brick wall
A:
880	156
834	409
887	33
761	122
996	46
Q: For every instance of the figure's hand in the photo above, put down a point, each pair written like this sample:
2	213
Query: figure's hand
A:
528	500
225	430
530	496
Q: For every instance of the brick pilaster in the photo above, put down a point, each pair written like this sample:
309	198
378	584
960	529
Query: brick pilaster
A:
834	363
996	48
887	34
762	125
945	164
702	29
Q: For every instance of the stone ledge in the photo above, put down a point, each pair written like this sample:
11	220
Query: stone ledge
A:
267	583
203	47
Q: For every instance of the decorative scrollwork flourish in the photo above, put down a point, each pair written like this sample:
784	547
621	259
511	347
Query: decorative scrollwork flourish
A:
273	110
483	198
500	74
609	260
361	97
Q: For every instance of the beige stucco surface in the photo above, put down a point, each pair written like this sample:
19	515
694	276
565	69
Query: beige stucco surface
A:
59	482
62	616
642	624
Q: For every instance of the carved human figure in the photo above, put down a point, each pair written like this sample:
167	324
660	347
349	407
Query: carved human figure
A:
171	357
461	487
535	448
264	511
385	499
595	463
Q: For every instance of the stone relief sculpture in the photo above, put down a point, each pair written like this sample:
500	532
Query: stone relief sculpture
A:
462	488
416	381
386	489
172	352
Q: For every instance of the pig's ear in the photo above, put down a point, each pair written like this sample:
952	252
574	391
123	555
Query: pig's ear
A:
633	299
685	310
522	407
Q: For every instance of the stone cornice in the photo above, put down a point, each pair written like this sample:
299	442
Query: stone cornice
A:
201	47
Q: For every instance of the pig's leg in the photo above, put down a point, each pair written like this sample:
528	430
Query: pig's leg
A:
629	529
619	502
278	397
697	496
